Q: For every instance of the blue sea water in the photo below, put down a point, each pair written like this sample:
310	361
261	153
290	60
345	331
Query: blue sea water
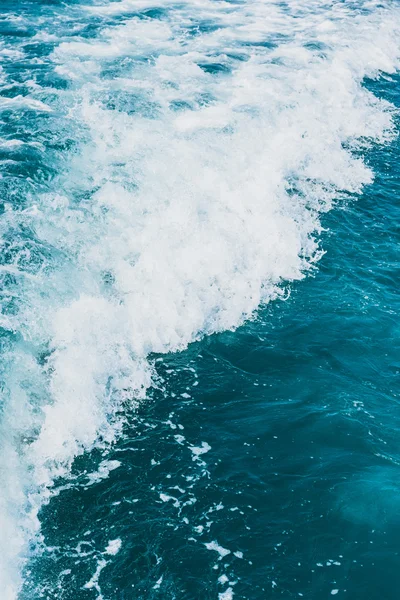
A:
199	300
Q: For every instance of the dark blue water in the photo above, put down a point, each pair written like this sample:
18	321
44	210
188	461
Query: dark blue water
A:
208	449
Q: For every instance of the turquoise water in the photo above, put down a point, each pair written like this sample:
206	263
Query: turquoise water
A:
199	327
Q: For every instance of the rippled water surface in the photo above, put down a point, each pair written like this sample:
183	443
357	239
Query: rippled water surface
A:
199	267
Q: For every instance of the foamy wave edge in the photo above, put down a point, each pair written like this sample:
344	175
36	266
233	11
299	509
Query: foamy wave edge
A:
188	219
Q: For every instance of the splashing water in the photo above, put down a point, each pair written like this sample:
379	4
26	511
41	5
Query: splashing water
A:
164	169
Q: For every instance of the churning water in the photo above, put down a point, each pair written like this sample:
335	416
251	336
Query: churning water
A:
200	346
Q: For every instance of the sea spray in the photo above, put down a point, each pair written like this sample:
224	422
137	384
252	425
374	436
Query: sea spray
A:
189	167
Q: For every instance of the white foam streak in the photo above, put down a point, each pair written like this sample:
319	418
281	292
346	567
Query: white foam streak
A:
201	199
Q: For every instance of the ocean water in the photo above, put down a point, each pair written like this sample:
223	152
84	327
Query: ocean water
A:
200	266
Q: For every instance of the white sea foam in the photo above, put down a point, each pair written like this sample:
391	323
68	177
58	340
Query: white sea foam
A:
217	548
104	469
227	595
199	450
200	198
114	546
19	102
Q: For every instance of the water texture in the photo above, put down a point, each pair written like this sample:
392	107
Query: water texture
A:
199	300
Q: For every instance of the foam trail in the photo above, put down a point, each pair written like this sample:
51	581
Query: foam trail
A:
202	160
